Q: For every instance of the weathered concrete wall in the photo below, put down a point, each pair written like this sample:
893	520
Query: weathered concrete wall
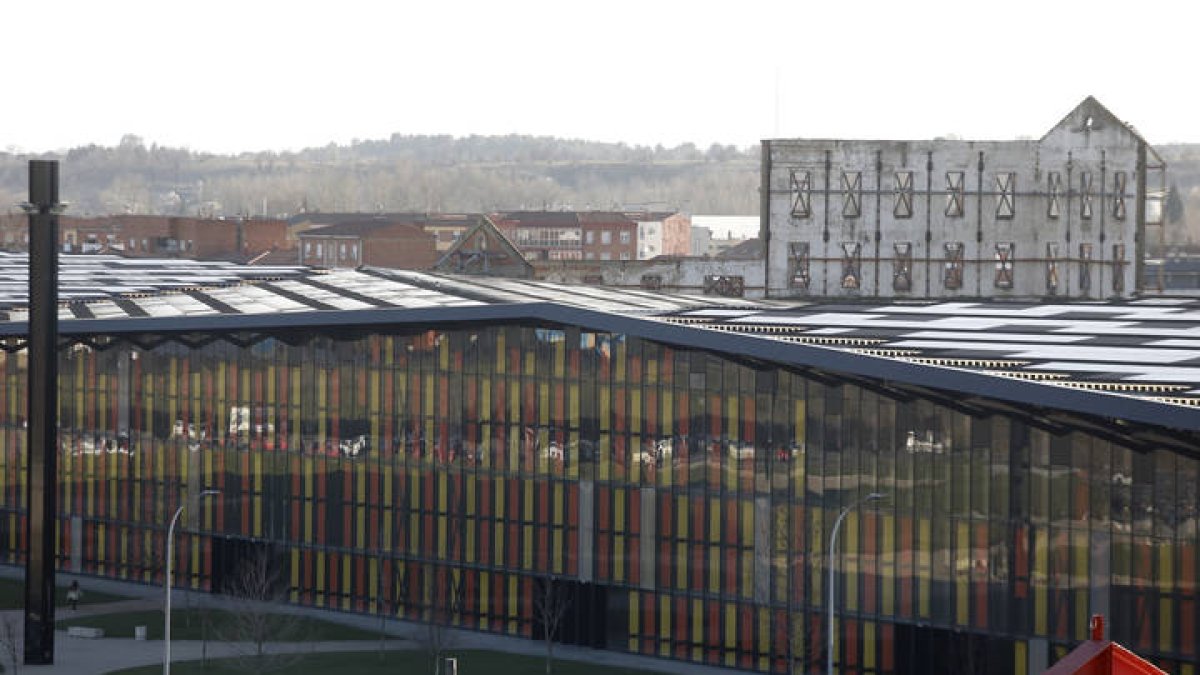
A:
1026	215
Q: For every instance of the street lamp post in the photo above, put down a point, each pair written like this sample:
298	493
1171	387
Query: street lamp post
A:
167	583
832	566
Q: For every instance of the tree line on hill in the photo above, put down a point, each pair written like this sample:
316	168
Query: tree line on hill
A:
1182	207
403	173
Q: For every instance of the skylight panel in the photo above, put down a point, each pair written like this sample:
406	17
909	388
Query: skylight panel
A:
994	335
1132	372
1082	353
325	296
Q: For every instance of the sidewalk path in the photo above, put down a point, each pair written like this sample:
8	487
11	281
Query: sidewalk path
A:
91	656
99	608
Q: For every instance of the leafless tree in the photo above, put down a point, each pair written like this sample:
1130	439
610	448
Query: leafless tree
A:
804	652
256	590
444	603
393	588
796	641
444	593
550	604
385	599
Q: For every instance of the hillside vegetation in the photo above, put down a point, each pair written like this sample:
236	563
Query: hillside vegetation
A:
404	173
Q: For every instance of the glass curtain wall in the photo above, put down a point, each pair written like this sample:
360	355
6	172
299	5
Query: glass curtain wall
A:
682	500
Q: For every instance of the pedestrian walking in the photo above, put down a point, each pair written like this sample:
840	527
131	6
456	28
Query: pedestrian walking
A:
73	594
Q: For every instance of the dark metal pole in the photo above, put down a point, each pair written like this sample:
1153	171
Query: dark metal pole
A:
42	432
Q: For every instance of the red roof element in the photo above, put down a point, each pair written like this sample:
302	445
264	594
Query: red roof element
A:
1102	657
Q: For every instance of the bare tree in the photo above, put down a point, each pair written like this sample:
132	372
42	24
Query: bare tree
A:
444	604
796	655
393	588
256	590
444	595
550	604
382	596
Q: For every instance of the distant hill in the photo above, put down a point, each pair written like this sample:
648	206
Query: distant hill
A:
403	173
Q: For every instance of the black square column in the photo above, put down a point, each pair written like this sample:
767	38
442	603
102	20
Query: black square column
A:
42	432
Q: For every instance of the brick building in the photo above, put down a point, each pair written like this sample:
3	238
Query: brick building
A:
608	236
446	228
543	235
376	242
145	236
662	233
596	235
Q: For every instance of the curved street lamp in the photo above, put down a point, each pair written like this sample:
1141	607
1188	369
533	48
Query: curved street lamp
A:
832	566
167	582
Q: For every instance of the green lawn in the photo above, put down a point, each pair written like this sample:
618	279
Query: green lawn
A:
470	662
188	624
12	595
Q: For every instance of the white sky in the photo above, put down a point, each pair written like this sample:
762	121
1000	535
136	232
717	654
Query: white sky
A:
225	76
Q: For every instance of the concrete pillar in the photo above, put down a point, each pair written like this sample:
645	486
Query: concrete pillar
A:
1100	575
1039	653
76	544
649	550
762	550
586	524
124	391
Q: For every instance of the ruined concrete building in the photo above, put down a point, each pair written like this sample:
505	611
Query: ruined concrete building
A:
1063	216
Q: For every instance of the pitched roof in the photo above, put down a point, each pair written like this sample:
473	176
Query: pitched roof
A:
604	217
751	249
335	218
645	216
1093	108
473	254
540	218
1101	657
361	228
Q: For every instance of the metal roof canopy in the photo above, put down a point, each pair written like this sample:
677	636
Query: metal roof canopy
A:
1141	422
1108	366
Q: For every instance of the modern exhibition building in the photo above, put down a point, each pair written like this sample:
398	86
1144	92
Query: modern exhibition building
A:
446	448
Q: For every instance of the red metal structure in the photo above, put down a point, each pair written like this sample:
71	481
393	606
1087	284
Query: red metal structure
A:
1102	657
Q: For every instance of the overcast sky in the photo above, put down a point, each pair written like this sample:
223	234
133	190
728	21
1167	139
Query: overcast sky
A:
224	76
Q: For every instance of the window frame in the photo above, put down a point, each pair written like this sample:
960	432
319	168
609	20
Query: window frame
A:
1005	257
952	275
902	206
801	187
955	193
852	194
1006	195
902	271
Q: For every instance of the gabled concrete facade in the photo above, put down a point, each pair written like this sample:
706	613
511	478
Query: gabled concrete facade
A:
1061	217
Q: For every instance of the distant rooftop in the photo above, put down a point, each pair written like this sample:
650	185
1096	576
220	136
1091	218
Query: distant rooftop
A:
104	286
